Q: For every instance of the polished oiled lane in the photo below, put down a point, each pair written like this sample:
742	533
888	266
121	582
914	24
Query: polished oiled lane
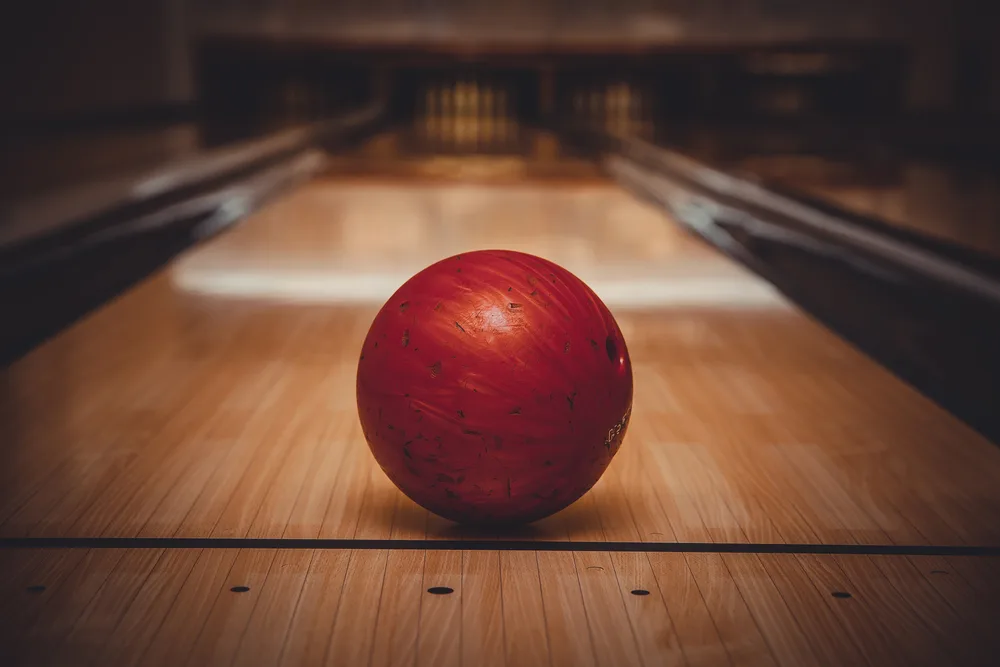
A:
356	607
216	399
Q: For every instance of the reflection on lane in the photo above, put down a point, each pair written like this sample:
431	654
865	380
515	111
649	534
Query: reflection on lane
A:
357	242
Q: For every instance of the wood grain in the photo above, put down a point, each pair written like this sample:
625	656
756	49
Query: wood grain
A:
216	399
176	606
483	629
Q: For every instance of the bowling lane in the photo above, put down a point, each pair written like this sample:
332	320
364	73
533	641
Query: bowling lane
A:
216	399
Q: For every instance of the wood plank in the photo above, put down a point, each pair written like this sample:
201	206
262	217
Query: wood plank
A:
777	624
648	516
202	515
440	637
24	602
409	520
190	609
525	638
812	612
108	608
318	605
147	612
353	632
92	473
647	611
49	628
311	504
829	495
124	501
700	482
483	626
97	421
956	635
17	565
761	484
565	619
177	479
676	505
860	622
264	637
221	633
277	439
342	515
400	610
377	511
736	625
303	445
874	598
610	630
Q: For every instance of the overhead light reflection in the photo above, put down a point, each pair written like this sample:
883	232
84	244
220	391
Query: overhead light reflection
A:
344	288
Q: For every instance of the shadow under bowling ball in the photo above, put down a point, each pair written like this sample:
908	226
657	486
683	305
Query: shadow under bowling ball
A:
456	531
401	518
578	519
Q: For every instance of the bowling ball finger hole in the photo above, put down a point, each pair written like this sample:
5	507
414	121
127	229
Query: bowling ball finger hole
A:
640	591
595	568
240	589
38	588
440	590
841	595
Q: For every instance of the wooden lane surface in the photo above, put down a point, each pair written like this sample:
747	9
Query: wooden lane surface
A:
340	607
216	399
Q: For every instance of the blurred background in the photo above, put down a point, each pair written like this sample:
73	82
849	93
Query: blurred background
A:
881	114
93	89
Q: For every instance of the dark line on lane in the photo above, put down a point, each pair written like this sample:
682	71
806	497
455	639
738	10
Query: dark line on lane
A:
485	545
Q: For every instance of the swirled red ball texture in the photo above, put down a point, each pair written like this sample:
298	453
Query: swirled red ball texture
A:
494	387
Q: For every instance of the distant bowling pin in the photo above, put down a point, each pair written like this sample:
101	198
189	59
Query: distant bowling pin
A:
460	110
447	116
638	114
502	126
488	115
429	113
609	109
624	108
474	114
514	125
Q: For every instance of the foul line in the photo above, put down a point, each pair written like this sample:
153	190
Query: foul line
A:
490	545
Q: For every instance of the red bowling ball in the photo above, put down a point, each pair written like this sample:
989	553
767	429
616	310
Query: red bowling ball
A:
494	387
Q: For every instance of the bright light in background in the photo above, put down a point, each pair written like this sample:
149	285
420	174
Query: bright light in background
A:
331	287
356	244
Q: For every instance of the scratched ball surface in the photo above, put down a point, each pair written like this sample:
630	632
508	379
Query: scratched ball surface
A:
494	387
